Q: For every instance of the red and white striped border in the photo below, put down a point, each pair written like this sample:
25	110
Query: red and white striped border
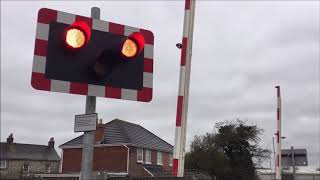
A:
40	82
178	160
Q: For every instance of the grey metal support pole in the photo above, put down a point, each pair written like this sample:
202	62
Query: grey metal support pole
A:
88	137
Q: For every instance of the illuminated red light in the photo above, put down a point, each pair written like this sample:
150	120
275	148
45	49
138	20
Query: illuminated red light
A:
129	48
75	38
133	45
78	34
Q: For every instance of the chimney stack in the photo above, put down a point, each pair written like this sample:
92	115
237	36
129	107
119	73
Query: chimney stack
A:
99	136
51	143
10	139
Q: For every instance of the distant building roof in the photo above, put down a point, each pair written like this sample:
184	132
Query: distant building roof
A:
296	151
17	151
122	132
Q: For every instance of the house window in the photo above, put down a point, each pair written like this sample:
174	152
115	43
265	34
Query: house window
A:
3	164
47	168
25	167
148	157
139	155
170	159
159	158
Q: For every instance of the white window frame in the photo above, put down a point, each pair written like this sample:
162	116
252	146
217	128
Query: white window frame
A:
4	165
148	156
139	154
159	157
170	159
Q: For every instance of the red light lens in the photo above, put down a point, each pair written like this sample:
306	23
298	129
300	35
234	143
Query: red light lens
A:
75	38
133	45
129	48
78	34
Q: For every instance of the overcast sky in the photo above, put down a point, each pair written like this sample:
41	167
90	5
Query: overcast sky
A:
241	50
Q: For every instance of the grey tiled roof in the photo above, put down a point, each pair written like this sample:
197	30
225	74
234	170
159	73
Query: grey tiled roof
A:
122	132
28	152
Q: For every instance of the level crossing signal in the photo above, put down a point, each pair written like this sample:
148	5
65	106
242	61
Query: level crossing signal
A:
81	55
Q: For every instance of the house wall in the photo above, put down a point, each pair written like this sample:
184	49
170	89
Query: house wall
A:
14	168
165	159
71	160
136	168
105	158
111	159
154	157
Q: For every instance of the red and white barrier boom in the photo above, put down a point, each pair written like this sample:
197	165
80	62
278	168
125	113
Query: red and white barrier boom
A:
279	137
183	96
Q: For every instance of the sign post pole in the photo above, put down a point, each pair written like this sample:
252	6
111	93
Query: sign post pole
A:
88	137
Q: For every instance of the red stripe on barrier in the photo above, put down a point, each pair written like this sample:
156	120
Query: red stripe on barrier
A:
148	36
179	111
40	82
145	95
46	16
41	47
184	51
78	88
116	28
187	5
148	65
113	92
278	113
175	164
85	19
